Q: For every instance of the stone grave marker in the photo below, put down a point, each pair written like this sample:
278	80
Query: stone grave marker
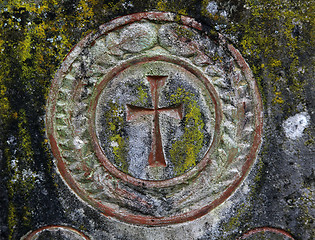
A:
146	127
159	123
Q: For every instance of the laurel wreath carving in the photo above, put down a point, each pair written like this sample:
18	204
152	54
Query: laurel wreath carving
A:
76	88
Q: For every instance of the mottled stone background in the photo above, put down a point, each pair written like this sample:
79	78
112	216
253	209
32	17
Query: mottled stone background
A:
276	37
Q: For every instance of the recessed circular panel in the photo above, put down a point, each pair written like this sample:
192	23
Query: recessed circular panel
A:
149	109
155	121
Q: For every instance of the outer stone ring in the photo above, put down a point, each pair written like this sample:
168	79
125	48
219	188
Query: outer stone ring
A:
152	121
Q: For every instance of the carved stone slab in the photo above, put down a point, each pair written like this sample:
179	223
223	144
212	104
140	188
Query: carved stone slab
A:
152	121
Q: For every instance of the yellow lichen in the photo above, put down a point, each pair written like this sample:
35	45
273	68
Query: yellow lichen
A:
142	96
267	12
12	219
278	98
4	102
184	152
168	6
31	51
119	151
118	143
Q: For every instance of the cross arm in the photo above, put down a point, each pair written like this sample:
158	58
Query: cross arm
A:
134	112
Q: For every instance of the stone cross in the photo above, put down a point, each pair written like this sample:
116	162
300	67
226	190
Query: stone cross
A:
156	156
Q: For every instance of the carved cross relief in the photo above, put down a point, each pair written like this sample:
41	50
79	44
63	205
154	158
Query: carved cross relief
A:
118	171
156	156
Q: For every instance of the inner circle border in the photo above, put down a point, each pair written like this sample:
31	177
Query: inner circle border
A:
155	183
122	214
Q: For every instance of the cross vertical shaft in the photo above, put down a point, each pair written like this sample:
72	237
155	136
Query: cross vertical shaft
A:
156	155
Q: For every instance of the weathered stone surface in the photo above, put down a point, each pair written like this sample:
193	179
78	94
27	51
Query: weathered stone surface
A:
274	37
155	125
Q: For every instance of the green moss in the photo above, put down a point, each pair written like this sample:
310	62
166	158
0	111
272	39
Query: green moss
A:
311	138
184	152
235	221
12	219
305	204
168	6
25	138
142	96
268	43
21	177
243	213
4	102
83	228
35	36
184	32
119	145
180	7
120	152
309	142
34	42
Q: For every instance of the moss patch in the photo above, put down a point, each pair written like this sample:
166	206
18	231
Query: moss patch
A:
142	96
184	152
114	129
271	40
35	36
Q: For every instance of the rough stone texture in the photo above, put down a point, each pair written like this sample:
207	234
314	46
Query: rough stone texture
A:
155	138
275	39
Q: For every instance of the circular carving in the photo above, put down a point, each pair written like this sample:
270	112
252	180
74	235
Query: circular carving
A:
128	121
267	233
152	121
55	232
